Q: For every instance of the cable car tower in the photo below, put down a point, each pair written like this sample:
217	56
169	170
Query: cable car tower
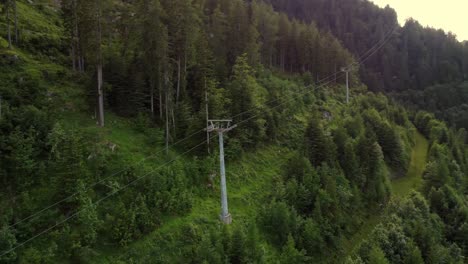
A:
221	127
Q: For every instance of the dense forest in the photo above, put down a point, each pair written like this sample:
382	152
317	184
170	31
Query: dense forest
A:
415	61
414	58
103	156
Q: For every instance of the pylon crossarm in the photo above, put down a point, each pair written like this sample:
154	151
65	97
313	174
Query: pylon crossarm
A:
220	126
210	128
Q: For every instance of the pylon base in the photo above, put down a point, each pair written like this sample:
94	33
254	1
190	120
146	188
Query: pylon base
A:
227	219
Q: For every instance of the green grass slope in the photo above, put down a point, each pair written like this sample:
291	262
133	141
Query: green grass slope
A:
401	187
249	181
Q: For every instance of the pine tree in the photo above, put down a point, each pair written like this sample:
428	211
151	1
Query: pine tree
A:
351	166
91	27
182	27
377	256
283	33
154	44
312	240
268	30
88	216
7	243
254	253
377	186
238	250
217	34
290	255
71	22
246	96
7	5
316	145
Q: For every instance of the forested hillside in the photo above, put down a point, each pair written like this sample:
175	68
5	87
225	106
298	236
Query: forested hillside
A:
415	63
415	57
103	156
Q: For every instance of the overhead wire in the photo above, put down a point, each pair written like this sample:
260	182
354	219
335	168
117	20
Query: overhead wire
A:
377	46
362	59
100	181
100	200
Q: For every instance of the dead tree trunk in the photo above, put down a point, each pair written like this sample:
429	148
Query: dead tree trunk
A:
8	23
99	71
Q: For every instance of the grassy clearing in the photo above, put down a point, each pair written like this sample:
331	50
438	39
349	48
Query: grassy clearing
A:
41	20
401	187
246	180
413	180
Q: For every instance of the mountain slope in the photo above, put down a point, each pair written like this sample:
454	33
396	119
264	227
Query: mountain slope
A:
414	57
305	170
401	188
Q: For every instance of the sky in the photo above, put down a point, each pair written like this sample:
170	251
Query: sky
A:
449	15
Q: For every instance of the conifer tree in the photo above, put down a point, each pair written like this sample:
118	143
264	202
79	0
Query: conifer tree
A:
316	147
7	6
7	242
377	256
238	249
246	96
291	255
154	46
91	29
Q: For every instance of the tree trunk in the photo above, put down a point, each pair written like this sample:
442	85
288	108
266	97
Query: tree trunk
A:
79	61
184	78
100	95
160	87
72	55
167	112
16	23
160	103
152	96
283	62
8	23
173	122
207	118
76	42
335	73
76	60
99	71
178	80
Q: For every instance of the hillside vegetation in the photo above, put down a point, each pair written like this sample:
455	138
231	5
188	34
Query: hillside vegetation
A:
311	179
425	68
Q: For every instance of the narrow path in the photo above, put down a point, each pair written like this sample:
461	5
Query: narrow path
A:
401	187
413	180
